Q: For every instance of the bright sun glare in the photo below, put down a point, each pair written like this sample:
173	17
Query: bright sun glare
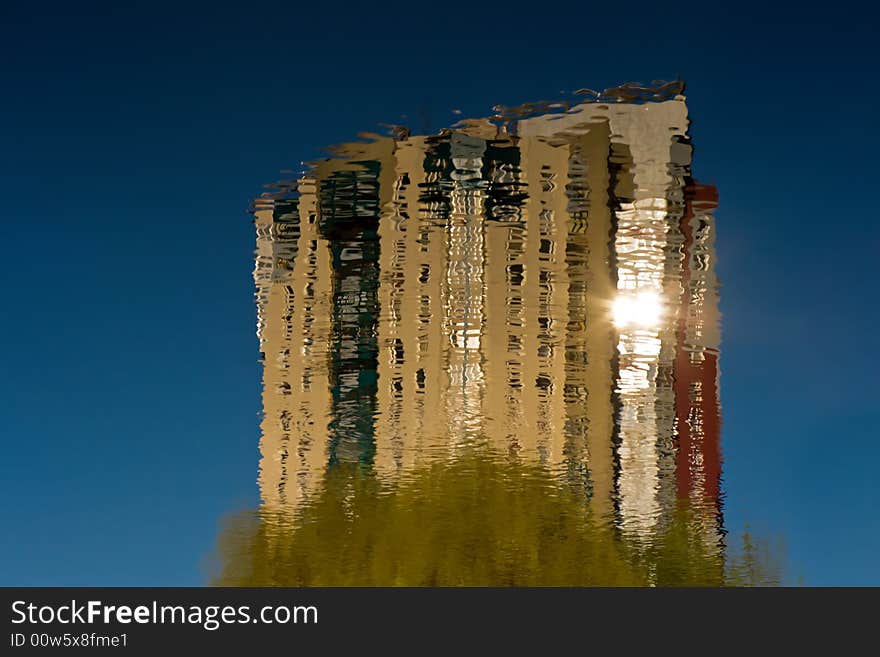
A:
641	309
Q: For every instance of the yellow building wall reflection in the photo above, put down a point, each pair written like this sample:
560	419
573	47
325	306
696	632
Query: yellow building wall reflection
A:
542	286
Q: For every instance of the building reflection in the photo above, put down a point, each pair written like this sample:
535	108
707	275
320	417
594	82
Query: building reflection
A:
540	282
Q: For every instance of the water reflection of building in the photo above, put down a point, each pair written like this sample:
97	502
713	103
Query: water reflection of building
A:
543	283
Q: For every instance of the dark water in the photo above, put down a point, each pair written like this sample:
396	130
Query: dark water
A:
491	356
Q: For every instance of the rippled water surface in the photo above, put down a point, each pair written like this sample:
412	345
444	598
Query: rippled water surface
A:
490	356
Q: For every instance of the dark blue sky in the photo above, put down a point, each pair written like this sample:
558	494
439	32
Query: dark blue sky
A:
134	136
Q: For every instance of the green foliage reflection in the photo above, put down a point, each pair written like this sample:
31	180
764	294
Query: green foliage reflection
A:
479	520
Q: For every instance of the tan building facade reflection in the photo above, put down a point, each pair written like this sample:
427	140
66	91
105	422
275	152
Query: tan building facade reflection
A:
541	283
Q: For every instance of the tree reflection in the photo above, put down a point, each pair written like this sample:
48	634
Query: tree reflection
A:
477	520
